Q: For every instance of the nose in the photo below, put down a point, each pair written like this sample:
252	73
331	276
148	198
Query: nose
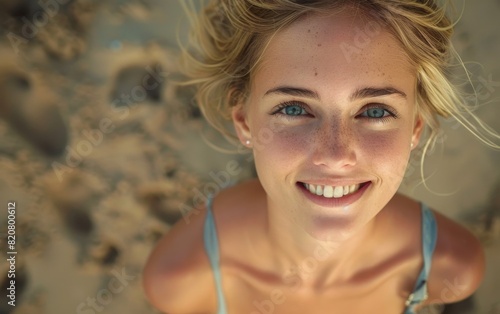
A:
334	146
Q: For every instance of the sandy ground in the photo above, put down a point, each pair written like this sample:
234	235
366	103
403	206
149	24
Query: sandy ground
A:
100	168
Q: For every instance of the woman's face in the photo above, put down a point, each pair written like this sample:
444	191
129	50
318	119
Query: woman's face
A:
331	111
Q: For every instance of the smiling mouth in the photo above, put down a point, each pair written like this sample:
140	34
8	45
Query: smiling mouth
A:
329	191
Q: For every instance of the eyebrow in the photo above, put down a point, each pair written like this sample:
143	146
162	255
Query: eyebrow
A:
293	91
358	94
376	92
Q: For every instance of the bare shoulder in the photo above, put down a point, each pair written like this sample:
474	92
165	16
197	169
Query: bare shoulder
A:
458	263
177	277
175	264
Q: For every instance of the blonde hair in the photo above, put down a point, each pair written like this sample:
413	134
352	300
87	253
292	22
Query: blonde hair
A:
229	36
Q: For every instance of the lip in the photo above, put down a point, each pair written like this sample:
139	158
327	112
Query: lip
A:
334	202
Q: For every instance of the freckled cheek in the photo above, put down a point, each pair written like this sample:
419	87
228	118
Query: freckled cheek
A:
280	143
385	150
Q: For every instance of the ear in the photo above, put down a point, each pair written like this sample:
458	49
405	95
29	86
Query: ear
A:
240	122
418	127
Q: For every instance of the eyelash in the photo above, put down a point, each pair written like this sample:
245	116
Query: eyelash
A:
283	105
392	112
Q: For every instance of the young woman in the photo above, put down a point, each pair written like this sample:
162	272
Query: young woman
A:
331	97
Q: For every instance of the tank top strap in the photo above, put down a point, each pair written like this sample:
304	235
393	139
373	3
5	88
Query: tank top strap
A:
212	249
429	237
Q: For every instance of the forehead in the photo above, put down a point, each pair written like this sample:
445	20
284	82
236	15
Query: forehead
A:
334	51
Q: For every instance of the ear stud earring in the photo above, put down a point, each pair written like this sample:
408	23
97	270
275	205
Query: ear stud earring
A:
411	146
247	142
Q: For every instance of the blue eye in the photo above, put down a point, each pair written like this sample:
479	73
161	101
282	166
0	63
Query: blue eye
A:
377	113
291	109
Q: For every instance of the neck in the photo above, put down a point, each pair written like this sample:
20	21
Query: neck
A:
304	261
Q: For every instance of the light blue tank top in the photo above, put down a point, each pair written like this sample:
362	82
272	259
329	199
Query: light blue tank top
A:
419	294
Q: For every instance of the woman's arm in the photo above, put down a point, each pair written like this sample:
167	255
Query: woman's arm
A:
174	278
458	265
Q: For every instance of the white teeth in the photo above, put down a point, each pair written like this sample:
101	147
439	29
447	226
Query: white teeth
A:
328	191
331	191
338	192
352	188
312	188
319	190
